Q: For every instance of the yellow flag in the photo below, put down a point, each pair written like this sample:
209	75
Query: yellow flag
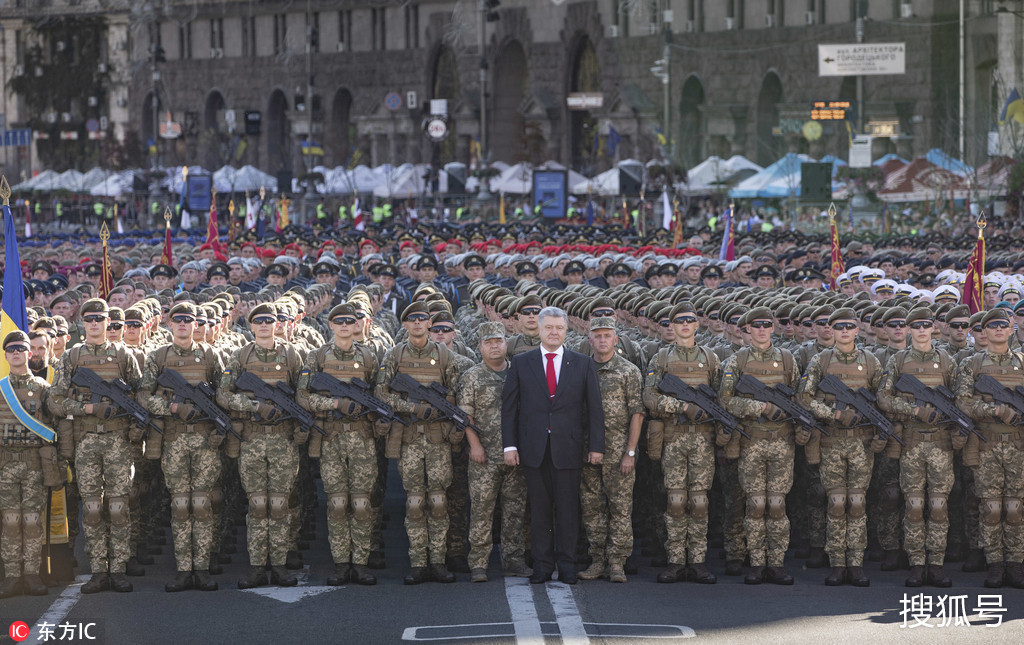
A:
501	210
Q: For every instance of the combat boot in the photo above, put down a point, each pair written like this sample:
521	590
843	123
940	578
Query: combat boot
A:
11	586
282	577
975	561
1015	575
376	560
97	583
204	582
593	572
341	575
916	577
181	582
836	577
616	573
34	585
995	576
133	568
937	577
257	577
119	583
857	577
673	573
518	570
440	573
734	567
777	576
478	575
417	575
215	567
755	577
817	558
361	574
457	563
699	573
293	560
892	560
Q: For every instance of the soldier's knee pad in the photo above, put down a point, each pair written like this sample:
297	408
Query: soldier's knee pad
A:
837	502
258	506
776	506
92	511
816	495
991	511
755	505
278	503
362	510
699	504
118	509
677	502
10	523
889	499
217	499
1012	505
858	502
337	506
915	506
938	508
202	505
33	525
438	504
414	506
179	506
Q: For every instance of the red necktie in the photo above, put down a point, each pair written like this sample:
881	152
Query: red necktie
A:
552	383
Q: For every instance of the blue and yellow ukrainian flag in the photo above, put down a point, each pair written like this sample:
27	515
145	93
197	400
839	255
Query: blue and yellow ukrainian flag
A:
13	315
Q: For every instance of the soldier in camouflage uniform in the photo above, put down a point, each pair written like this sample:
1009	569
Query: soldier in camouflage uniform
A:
269	458
996	461
766	458
686	447
424	455
103	457
489	478
526	312
606	489
844	455
28	467
926	460
190	456
348	460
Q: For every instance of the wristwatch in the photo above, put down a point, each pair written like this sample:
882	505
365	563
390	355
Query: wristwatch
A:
631	453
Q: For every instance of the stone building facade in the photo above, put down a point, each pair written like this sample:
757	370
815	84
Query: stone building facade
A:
742	77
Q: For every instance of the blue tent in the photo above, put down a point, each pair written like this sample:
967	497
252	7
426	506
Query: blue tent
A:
946	162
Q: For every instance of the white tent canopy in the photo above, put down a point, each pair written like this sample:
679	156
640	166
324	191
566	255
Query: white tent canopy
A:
518	179
714	172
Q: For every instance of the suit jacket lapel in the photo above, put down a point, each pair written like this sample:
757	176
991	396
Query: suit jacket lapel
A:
539	369
564	372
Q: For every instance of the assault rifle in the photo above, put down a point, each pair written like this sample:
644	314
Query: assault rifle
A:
862	400
202	397
282	396
704	398
118	392
359	391
940	398
1000	393
434	396
781	396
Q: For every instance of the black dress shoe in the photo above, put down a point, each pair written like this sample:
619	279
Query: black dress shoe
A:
937	577
12	586
97	583
440	573
540	577
568	577
699	573
417	575
181	582
204	582
916	577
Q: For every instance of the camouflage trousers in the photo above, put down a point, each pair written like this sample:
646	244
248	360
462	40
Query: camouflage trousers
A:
22	498
999	477
268	465
846	469
103	463
489	483
734	539
688	467
926	467
377	497
963	508
606	503
885	503
766	475
348	467
458	503
426	471
141	477
191	470
807	501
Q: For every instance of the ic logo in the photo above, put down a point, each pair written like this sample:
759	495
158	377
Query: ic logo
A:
18	631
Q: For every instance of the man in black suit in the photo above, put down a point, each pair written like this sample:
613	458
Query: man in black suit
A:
550	399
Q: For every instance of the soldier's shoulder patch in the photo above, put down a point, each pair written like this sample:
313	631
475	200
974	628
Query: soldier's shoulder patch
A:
304	371
803	378
650	372
728	373
227	372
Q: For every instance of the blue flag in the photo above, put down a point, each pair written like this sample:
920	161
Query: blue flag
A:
614	139
723	251
590	213
13	315
260	224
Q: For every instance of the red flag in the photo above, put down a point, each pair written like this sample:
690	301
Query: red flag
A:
677	233
106	275
974	283
837	253
167	257
212	237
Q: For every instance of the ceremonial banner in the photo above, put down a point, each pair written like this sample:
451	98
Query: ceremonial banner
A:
167	257
106	274
974	283
727	250
837	253
13	315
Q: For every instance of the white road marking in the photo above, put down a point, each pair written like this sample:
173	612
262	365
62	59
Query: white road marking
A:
570	624
60	608
524	612
289	594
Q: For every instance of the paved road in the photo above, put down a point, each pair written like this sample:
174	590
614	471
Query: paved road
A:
507	611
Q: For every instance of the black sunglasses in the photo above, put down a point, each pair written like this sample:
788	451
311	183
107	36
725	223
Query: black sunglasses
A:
530	311
181	318
664	323
16	349
264	320
684	320
822	322
784	321
601	313
896	324
998	324
115	326
762	324
712	316
959	325
844	326
976	329
807	323
921	324
344	321
94	319
422	317
134	324
442	329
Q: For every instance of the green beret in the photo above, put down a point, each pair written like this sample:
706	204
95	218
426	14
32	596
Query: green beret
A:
184	308
995	314
757	313
262	309
843	313
134	313
959	311
528	301
15	336
824	310
895	312
344	309
605	322
490	330
94	306
920	313
682	307
976	318
414	308
442	316
877	318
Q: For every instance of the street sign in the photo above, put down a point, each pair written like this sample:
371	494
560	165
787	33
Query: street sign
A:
436	129
17	138
393	101
862	59
92	125
860	151
584	100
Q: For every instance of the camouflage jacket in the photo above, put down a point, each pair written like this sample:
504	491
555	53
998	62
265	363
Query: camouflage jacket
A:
238	401
61	402
739	406
657	402
808	394
966	398
160	406
320	402
479	394
620	399
389	367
